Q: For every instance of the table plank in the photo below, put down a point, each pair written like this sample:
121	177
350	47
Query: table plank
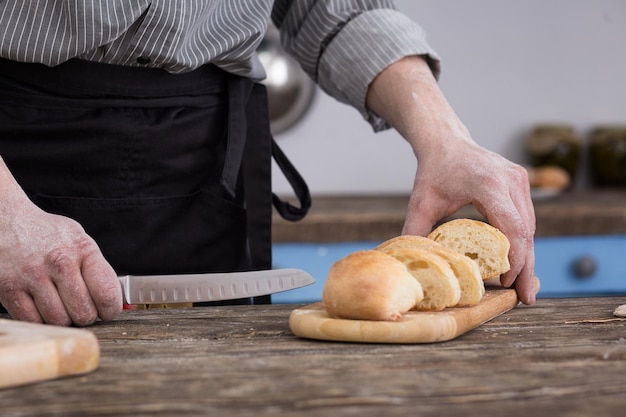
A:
560	356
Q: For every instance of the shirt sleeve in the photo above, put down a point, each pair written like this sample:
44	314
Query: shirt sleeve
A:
344	45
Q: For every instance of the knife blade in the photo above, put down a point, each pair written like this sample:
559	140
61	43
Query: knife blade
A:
183	288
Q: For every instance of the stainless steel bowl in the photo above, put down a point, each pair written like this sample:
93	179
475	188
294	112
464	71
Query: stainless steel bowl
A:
290	90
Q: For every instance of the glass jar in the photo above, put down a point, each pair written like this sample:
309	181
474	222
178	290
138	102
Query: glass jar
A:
555	145
607	155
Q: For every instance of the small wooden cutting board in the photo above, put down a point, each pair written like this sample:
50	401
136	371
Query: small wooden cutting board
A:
313	322
37	352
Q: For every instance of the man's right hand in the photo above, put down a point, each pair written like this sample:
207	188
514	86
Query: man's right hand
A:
51	271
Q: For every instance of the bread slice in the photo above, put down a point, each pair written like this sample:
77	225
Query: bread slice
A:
370	285
440	285
408	241
468	274
465	269
483	243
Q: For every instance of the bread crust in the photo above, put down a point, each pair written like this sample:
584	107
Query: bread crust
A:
408	241
370	285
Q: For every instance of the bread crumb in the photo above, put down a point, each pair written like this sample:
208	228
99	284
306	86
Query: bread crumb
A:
620	311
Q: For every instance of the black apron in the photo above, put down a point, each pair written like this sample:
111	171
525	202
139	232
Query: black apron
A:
168	173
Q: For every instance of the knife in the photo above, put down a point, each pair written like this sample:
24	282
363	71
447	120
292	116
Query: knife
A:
183	288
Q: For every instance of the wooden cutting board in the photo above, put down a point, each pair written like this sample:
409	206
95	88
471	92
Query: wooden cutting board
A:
38	352
313	322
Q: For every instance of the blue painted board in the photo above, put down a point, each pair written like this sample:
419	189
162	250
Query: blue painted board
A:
555	259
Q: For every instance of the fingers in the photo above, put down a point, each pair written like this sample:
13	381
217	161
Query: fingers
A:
49	304
38	302
21	306
420	218
87	285
73	295
525	284
103	285
515	217
73	284
506	203
524	280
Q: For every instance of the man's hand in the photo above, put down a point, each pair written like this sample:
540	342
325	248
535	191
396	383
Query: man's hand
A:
499	191
453	171
51	271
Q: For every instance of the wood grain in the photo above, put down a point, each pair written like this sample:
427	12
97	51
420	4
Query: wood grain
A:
313	322
35	352
243	361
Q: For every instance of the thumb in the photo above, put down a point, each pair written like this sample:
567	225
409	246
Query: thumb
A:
423	212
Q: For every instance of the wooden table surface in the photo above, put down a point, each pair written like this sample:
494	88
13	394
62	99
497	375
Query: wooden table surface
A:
560	357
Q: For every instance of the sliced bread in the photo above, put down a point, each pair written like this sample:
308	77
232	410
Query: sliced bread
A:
468	274
440	285
408	241
483	243
465	270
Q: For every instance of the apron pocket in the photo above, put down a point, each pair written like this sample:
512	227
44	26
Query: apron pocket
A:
192	233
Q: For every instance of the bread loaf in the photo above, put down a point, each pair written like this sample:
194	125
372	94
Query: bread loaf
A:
440	285
464	269
370	285
549	177
483	243
445	269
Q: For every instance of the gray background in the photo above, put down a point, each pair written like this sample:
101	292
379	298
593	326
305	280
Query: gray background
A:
507	66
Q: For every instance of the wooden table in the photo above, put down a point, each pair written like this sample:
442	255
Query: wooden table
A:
560	357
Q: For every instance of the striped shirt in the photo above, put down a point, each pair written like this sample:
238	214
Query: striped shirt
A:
341	44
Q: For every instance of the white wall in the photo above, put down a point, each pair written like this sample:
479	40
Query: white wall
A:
507	65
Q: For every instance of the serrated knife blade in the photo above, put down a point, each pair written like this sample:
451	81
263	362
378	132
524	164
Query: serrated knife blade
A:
184	288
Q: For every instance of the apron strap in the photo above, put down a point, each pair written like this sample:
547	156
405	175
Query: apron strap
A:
242	91
239	93
299	186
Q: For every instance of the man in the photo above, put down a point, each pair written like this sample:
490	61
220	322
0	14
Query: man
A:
135	139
